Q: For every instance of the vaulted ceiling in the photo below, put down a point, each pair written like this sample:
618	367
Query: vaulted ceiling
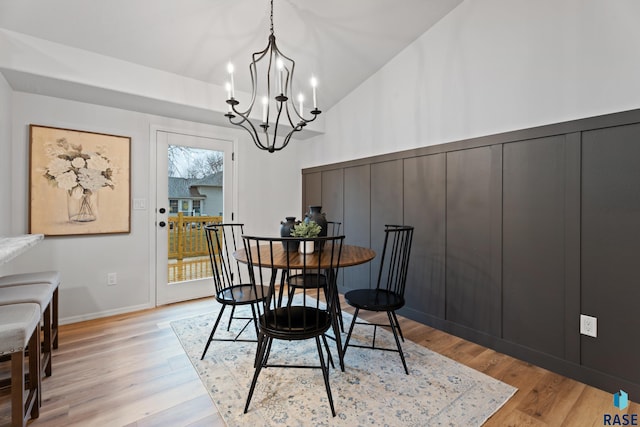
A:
342	42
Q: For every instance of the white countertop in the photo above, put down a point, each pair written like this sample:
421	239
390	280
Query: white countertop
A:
11	247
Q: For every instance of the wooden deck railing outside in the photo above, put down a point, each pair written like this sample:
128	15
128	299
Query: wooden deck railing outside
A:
186	235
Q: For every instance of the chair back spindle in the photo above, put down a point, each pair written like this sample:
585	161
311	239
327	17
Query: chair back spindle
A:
222	241
394	264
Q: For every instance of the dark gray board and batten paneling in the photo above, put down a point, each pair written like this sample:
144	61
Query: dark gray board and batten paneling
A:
538	225
311	192
386	204
424	208
473	288
572	182
357	222
333	194
533	244
611	249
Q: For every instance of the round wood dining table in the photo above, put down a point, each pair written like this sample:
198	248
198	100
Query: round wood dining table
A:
351	255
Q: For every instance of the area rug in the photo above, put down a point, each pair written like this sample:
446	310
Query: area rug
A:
373	391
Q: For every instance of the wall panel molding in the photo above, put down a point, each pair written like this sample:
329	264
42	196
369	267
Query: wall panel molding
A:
516	235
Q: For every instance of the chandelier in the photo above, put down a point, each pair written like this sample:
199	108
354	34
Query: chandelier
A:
275	94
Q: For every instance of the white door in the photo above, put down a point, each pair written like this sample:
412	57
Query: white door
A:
194	179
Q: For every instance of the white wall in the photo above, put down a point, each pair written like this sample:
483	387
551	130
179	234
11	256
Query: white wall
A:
488	67
5	163
5	158
269	190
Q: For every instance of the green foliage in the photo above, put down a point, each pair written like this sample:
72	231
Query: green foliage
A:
306	229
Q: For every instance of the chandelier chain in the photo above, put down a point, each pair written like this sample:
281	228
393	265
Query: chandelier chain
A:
271	17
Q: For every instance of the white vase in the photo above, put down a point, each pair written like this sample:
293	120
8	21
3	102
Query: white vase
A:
306	248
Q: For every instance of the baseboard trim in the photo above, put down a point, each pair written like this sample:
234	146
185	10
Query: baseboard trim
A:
105	313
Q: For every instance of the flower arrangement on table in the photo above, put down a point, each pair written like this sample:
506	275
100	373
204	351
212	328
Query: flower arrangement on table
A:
81	174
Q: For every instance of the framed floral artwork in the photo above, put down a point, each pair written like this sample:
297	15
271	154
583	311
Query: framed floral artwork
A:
79	182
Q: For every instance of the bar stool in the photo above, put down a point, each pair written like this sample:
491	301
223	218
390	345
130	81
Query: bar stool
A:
19	328
52	277
37	293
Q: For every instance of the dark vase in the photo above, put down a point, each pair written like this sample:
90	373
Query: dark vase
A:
285	231
315	214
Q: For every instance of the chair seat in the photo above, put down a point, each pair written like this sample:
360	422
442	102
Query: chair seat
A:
38	293
17	323
41	294
374	299
308	280
295	322
241	295
52	277
19	330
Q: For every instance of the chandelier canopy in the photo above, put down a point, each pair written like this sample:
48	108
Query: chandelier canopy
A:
275	90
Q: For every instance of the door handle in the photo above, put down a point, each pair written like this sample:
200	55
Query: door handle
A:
162	223
162	210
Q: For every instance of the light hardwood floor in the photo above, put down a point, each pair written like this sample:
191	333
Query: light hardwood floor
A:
130	370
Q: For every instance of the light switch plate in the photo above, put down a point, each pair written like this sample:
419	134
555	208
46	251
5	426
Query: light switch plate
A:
139	204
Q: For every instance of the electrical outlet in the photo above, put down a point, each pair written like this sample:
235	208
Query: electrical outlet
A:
112	279
588	325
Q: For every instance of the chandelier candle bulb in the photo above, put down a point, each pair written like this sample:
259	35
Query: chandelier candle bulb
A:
265	104
314	83
231	88
301	101
280	66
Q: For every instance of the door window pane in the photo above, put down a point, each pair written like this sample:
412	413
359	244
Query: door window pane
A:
192	172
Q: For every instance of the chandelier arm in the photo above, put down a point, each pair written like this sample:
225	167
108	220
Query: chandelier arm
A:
254	76
251	129
311	119
285	142
270	146
256	140
303	122
253	73
288	137
289	115
275	47
275	128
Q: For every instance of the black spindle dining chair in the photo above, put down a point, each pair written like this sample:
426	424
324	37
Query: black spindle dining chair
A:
306	315
231	279
388	294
